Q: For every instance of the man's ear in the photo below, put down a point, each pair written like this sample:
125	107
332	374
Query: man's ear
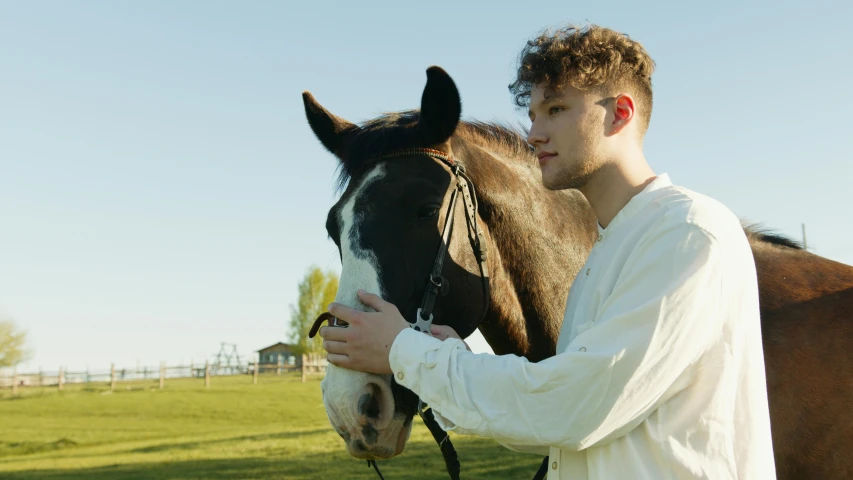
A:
624	110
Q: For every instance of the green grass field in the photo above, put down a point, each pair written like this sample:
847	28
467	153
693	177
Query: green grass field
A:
235	430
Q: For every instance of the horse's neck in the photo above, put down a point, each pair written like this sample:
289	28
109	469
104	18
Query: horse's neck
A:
540	240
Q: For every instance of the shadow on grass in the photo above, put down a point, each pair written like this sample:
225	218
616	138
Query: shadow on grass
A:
480	459
24	448
246	438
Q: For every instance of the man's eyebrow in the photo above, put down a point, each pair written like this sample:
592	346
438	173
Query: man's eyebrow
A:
544	102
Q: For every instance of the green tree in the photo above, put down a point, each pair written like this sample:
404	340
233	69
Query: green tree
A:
12	340
316	291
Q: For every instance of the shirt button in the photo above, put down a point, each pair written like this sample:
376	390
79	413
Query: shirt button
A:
582	349
587	271
399	375
599	238
554	465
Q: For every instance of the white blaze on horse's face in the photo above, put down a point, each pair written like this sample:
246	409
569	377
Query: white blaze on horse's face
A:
360	405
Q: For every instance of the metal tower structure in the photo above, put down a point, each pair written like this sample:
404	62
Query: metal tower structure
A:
227	360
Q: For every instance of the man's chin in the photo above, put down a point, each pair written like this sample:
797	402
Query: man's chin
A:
551	187
551	180
564	183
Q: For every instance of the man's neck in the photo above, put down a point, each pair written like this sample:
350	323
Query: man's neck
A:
612	187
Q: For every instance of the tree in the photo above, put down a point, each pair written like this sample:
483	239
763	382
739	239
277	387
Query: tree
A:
316	291
12	342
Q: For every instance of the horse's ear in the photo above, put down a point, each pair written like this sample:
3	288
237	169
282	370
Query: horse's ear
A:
441	107
329	129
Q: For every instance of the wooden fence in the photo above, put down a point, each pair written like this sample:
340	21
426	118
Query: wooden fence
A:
59	378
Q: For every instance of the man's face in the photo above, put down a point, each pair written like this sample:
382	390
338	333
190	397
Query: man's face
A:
567	133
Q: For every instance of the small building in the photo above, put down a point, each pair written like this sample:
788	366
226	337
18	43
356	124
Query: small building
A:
280	354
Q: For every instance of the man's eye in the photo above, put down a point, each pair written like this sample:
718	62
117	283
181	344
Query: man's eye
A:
554	110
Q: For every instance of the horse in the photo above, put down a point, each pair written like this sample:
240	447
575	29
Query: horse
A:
388	224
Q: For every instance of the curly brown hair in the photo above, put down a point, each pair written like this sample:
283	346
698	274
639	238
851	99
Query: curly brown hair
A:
587	58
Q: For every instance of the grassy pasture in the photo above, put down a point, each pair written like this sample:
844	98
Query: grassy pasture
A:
233	430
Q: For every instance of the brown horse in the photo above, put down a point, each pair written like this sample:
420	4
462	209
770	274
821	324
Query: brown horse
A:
387	227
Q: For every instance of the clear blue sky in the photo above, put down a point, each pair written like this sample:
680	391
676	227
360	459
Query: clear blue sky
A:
161	192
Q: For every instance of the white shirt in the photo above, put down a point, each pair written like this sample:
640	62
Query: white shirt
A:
659	372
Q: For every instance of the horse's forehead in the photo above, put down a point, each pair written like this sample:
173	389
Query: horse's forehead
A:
356	194
394	174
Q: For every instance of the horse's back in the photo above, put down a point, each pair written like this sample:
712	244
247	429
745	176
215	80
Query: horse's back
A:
807	327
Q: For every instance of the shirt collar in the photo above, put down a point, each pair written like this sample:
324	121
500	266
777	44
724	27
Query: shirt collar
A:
639	201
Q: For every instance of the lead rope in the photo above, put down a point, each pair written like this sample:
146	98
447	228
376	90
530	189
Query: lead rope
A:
375	467
448	452
542	473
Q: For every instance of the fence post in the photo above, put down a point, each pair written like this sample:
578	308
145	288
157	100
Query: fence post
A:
41	377
207	374
113	377
162	375
15	381
304	367
255	374
61	378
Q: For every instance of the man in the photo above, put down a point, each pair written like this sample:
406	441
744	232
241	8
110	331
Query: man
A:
659	371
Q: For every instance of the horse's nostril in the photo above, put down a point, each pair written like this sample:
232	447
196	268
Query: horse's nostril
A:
368	404
374	404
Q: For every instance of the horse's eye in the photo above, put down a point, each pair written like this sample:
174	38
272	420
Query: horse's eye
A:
428	211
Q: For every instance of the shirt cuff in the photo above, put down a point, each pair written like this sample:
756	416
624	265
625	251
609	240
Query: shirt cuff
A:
408	352
421	363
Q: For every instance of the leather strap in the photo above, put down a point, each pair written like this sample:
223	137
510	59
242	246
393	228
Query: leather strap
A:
435	279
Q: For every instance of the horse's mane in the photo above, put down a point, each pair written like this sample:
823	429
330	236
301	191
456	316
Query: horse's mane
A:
396	130
497	137
758	233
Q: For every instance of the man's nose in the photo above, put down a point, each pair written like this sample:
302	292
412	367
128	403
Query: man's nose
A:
536	136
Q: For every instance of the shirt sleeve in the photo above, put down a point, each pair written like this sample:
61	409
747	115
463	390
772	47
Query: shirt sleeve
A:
643	348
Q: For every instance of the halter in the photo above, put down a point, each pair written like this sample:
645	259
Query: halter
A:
423	318
463	184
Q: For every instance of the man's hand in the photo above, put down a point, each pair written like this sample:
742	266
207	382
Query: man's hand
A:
443	332
366	343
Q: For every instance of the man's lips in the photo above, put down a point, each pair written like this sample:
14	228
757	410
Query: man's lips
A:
544	156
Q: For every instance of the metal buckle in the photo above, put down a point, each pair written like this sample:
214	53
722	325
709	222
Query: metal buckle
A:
422	325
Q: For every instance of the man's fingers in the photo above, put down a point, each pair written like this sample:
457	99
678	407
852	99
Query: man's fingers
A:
338	360
344	312
351	315
335	347
374	301
337	334
443	332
